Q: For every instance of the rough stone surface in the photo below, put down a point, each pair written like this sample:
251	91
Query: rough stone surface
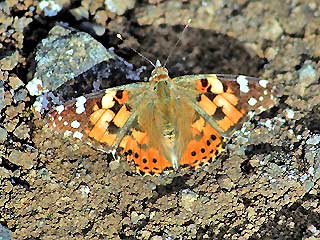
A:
3	135
10	61
62	56
5	233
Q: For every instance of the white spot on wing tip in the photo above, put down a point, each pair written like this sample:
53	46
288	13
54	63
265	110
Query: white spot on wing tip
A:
75	124
263	83
59	109
80	108
243	83
252	101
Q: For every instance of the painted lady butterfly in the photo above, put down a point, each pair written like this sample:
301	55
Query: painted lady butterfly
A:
165	122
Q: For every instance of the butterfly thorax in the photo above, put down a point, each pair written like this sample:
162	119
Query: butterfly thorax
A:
158	74
164	105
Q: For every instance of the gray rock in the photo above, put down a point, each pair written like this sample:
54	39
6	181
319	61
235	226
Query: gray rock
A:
5	233
3	135
314	140
307	75
63	55
2	100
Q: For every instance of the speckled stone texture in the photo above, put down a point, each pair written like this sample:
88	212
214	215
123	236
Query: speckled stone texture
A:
265	186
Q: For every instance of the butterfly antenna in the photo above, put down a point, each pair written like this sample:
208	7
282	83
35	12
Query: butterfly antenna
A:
140	54
179	40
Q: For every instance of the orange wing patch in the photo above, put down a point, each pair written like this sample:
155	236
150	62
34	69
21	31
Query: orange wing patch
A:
228	99
147	160
101	118
204	147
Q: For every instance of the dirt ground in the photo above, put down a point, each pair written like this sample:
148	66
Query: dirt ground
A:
264	186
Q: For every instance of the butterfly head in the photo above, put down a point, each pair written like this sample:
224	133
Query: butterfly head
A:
159	73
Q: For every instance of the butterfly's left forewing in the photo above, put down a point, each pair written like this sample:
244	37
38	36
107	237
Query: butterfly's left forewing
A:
226	101
221	104
101	119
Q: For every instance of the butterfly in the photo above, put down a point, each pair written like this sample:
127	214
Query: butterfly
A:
165	122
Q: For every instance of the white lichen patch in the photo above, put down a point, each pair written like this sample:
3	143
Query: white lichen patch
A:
75	124
314	140
268	124
50	8
37	105
243	83
35	87
80	101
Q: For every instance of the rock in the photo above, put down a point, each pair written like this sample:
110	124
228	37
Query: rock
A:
64	55
188	199
3	135
134	217
5	233
314	140
114	165
15	82
80	13
22	131
2	94
23	159
10	61
225	182
21	95
307	75
271	29
119	7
